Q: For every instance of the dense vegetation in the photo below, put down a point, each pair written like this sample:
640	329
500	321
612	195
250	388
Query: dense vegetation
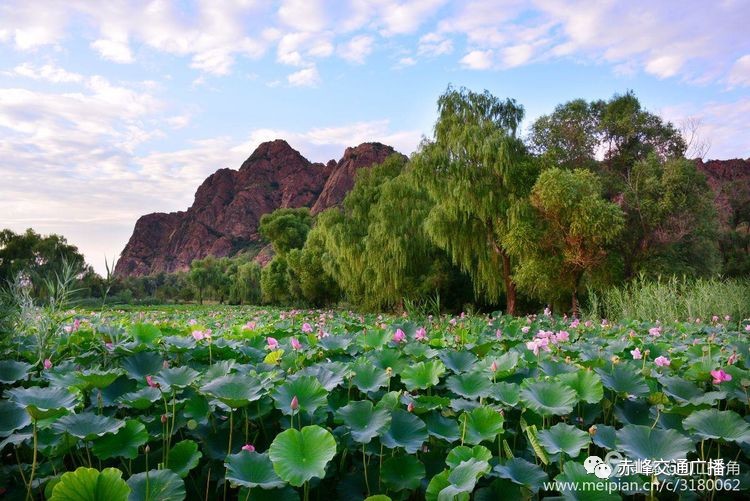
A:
240	403
596	195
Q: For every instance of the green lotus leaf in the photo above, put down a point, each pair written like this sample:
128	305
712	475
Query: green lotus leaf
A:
369	378
684	392
378	497
440	482
251	469
298	456
713	423
12	417
505	364
145	333
335	343
464	453
329	378
406	430
564	438
522	472
141	399
442	427
402	472
422	375
364	421
483	423
176	377
507	393
374	339
309	392
389	357
471	385
183	457
586	384
156	485
12	371
425	403
87	425
42	403
97	378
463	478
548	398
643	442
124	443
575	474
624	378
458	361
88	484
140	365
605	437
234	390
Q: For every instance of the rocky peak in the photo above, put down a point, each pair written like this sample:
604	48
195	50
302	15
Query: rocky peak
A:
226	211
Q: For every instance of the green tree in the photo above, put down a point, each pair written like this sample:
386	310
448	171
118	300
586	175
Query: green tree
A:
246	288
476	170
204	274
307	272
565	235
274	282
37	256
286	229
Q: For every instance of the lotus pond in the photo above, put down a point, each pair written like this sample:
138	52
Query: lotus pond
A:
242	403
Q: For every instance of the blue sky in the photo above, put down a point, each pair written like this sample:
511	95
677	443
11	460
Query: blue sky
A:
110	110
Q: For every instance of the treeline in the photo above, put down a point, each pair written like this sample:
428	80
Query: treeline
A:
597	194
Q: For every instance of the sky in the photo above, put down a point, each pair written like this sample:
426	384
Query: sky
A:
111	110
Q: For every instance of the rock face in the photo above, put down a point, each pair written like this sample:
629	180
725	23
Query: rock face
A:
730	182
228	205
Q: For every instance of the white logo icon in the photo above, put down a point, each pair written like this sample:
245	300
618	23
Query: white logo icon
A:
591	463
603	470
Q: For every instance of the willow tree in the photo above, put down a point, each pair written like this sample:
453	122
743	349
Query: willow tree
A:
565	234
476	170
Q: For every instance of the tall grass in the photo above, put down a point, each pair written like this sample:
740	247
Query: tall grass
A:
672	299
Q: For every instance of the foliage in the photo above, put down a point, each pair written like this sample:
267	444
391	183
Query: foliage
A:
354	413
286	228
475	170
566	236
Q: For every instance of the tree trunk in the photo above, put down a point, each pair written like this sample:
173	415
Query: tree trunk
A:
575	302
510	285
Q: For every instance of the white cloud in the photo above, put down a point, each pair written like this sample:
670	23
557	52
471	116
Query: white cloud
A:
48	72
303	15
434	44
405	62
356	49
113	50
478	60
307	77
740	73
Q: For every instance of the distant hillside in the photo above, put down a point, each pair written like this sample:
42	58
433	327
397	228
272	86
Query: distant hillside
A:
228	206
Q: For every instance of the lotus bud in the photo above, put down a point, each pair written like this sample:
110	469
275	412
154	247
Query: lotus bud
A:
295	403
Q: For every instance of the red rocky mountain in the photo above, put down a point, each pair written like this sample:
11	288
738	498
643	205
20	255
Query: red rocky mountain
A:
228	205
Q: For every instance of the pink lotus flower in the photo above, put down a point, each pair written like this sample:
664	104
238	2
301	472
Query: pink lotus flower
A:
47	363
525	329
399	336
588	323
421	334
574	323
248	448
453	321
273	344
493	367
637	355
733	359
547	312
715	318
307	328
410	407
655	331
150	381
662	361
250	326
720	376
562	336
198	335
498	334
536	344
294	405
296	345
192	321
747	328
